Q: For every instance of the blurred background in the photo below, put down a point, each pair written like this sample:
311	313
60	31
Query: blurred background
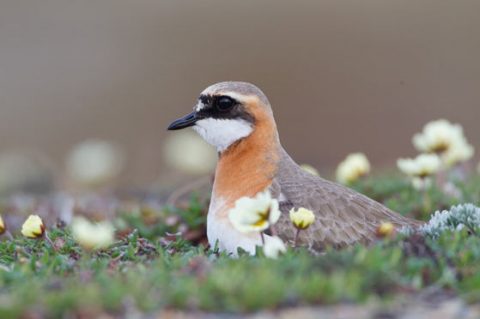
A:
342	76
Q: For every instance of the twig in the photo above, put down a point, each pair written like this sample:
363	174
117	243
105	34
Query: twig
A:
120	256
426	200
50	241
9	235
296	238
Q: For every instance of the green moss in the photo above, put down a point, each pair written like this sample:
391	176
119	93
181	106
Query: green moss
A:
146	274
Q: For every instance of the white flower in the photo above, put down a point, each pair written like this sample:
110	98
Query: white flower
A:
437	136
420	169
33	227
301	218
95	162
445	139
187	152
310	169
255	214
421	183
461	151
352	168
422	166
273	247
92	236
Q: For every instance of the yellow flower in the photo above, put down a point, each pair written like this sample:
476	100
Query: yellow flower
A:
310	169
273	247
352	168
255	214
92	236
386	229
33	227
302	218
2	226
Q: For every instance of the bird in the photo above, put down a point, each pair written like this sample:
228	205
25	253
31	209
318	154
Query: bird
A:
237	119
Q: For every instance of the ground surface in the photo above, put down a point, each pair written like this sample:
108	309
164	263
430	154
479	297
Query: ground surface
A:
160	267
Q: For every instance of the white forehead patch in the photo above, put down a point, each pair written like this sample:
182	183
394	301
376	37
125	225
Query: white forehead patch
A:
199	106
221	133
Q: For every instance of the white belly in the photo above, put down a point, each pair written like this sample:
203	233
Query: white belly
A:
222	234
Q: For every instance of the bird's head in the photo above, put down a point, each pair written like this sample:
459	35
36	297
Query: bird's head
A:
228	112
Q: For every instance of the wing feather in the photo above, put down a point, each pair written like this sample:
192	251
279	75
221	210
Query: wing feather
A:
342	216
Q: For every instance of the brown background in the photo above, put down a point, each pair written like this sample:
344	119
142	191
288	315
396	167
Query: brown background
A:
342	76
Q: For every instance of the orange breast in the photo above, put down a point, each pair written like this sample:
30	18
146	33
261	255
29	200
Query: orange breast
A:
249	166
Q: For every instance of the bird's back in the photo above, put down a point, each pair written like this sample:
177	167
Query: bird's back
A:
343	216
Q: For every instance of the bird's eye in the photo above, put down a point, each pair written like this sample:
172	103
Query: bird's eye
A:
224	103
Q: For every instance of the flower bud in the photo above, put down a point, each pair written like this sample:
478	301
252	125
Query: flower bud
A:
33	227
302	218
2	226
386	229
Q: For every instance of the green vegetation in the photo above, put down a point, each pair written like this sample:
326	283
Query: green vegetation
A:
148	270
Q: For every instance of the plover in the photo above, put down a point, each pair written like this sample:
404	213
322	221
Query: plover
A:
237	119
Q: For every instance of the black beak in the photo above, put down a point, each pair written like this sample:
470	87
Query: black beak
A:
183	122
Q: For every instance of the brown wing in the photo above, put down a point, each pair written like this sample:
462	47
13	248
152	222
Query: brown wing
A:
342	216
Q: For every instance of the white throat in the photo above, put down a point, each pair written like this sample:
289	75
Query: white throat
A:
222	133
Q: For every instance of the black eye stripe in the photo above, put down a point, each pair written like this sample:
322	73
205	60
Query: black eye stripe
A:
205	99
211	110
